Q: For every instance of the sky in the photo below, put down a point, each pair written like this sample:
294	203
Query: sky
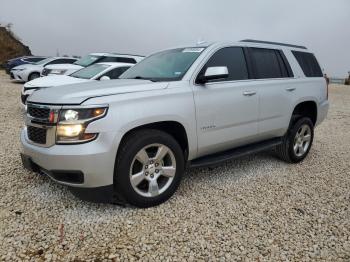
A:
78	27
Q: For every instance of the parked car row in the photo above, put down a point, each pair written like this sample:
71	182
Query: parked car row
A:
94	72
21	70
20	61
129	140
28	72
67	69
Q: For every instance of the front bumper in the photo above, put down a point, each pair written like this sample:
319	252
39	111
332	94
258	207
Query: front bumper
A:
94	160
18	76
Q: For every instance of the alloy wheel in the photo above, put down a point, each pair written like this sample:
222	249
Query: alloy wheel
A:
302	140
152	170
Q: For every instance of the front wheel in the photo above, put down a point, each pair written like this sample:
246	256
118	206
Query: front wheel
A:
150	164
297	142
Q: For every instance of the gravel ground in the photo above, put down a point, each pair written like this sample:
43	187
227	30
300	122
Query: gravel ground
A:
254	208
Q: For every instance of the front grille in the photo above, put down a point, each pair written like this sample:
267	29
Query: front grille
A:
45	72
24	99
36	112
36	134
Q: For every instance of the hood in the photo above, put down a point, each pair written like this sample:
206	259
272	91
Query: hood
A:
64	66
77	93
55	80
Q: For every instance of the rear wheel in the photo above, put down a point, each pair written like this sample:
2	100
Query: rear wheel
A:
33	76
297	142
150	165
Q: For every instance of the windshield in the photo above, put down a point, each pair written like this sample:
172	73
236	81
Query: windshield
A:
87	60
170	65
43	61
90	71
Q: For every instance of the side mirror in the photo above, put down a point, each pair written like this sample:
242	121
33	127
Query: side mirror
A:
105	78
213	73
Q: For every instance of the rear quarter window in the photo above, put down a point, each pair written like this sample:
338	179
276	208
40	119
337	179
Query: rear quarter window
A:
308	64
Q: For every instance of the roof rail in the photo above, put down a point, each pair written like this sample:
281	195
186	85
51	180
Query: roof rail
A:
272	43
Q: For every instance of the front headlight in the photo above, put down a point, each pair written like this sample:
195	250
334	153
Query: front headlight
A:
57	71
72	124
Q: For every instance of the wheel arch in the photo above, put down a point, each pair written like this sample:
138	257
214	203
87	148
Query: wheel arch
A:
31	73
306	108
174	128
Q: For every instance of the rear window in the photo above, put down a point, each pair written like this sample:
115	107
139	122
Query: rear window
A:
269	63
34	59
118	59
126	60
308	64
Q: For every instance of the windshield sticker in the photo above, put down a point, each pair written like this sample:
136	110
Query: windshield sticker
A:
193	50
177	73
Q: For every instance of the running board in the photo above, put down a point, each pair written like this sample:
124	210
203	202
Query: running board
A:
234	153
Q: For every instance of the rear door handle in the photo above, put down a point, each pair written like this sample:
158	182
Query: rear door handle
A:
290	89
249	93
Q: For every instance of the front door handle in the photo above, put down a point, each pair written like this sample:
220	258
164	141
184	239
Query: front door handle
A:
290	89
249	93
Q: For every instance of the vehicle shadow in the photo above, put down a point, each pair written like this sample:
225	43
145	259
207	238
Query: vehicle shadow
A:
212	176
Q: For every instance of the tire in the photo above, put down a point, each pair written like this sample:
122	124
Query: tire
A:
33	76
295	147
141	178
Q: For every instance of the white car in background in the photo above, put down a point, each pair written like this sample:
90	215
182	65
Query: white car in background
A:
99	71
28	72
67	69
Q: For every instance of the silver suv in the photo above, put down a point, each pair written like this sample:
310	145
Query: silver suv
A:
129	140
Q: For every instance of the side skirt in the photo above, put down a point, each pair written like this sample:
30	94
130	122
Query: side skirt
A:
230	154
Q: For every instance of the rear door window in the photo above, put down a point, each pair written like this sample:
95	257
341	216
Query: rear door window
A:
308	64
268	63
231	57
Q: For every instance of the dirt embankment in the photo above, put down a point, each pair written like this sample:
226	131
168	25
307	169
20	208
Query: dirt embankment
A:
10	46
